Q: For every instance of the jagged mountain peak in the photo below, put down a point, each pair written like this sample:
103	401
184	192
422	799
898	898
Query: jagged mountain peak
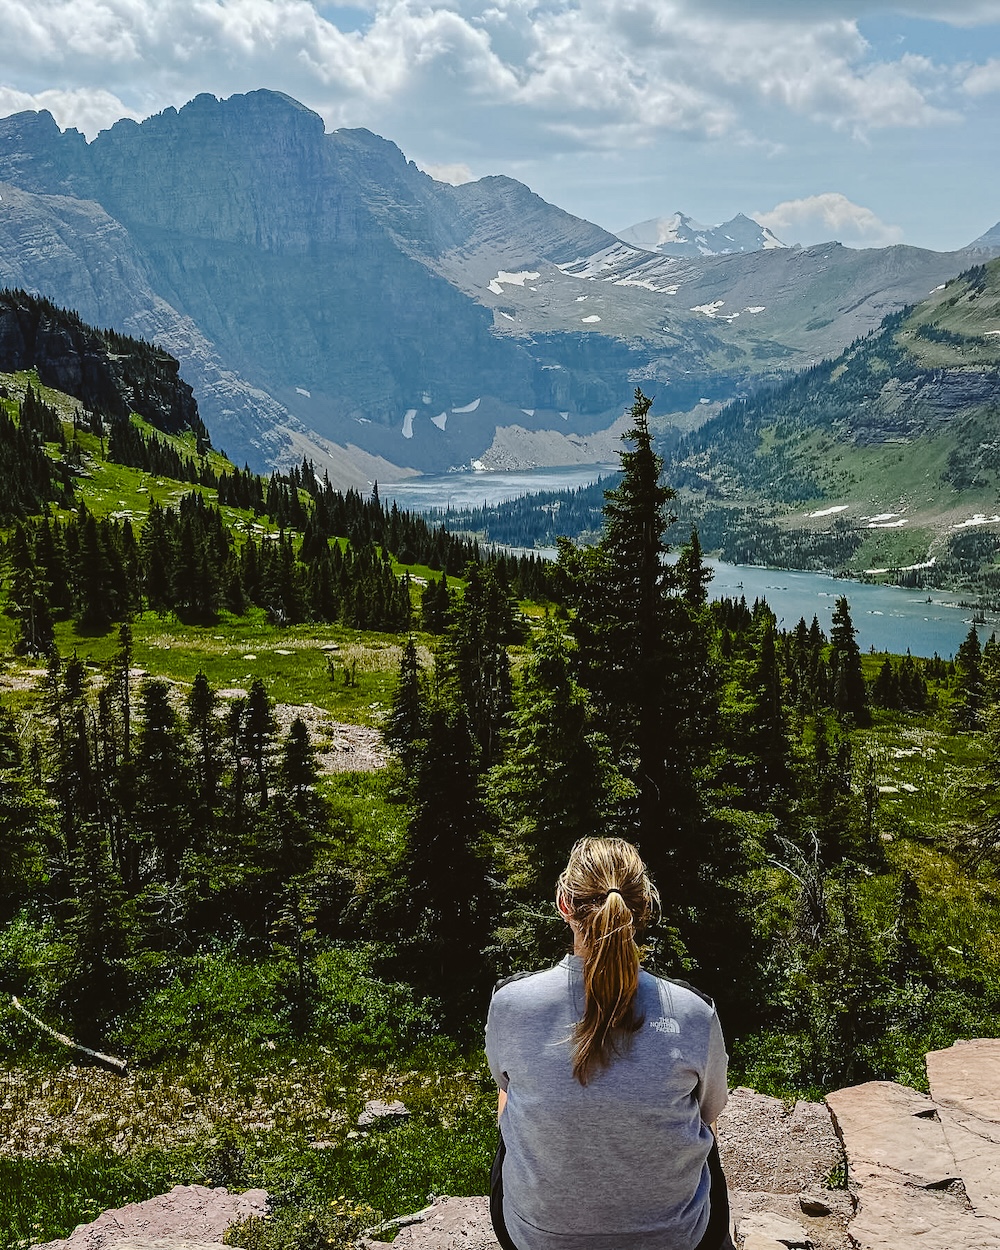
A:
681	235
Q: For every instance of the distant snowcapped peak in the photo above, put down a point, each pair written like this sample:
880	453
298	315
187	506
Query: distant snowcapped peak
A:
680	235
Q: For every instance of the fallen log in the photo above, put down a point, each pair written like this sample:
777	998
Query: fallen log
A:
119	1065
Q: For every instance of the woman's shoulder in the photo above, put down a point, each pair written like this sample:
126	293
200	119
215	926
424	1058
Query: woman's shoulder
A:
679	991
527	982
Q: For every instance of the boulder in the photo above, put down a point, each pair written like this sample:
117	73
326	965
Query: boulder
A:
189	1217
909	1184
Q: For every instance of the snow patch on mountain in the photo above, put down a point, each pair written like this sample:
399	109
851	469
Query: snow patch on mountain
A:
512	279
598	264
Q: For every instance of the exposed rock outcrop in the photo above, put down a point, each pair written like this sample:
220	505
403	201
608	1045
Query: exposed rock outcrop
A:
321	291
189	1217
926	1170
110	374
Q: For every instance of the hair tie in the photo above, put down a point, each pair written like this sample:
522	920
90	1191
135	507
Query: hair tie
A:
614	890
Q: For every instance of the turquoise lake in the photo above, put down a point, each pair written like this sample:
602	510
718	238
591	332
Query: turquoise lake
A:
887	618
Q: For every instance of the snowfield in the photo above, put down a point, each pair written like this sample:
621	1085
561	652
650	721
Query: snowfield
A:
978	519
511	279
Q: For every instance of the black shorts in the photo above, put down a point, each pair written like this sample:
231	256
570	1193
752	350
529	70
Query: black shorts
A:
716	1236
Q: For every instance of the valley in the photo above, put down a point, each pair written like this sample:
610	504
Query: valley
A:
287	770
328	300
269	835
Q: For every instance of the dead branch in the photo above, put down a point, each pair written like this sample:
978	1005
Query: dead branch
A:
119	1065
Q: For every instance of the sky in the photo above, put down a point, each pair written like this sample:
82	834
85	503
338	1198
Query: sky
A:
870	123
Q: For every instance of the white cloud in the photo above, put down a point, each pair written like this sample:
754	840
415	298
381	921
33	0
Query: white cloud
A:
576	73
831	215
455	174
964	13
86	109
983	79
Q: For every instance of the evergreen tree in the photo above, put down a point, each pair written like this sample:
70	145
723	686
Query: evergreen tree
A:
691	574
556	783
164	791
29	598
620	590
769	744
96	594
407	720
26	820
257	730
473	659
850	697
440	912
97	928
204	729
967	696
297	814
886	691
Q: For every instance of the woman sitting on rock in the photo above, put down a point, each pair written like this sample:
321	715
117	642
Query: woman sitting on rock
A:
610	1082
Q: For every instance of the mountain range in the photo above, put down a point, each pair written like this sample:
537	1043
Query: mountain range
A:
679	235
327	298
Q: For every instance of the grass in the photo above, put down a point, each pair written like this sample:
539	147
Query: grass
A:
347	673
242	1116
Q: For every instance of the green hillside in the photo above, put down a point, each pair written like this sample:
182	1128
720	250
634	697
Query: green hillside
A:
891	451
286	778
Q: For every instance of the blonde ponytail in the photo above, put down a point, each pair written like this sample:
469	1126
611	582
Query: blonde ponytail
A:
610	898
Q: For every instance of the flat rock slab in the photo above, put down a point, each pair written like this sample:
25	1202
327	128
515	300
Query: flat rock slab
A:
965	1082
911	1160
966	1077
892	1131
189	1217
893	1216
770	1232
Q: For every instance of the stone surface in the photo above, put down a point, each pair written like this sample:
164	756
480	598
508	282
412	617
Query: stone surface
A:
189	1217
317	286
378	1112
965	1082
767	1231
925	1171
966	1077
889	1128
894	1216
765	1145
814	1204
449	1223
771	1152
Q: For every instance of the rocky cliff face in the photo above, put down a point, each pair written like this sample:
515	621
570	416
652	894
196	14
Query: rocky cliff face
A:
326	297
113	375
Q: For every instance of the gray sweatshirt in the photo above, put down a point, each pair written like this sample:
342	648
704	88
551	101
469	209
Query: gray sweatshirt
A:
620	1163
